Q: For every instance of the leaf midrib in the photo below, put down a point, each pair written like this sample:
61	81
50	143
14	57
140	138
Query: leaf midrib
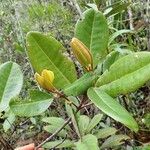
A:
6	84
28	103
108	105
50	60
91	39
124	76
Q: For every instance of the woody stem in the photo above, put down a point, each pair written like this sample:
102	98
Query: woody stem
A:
62	95
59	129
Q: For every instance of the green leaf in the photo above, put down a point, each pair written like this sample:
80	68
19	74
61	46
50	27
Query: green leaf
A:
81	85
122	48
105	132
92	30
114	140
110	59
88	142
95	120
71	113
117	8
112	108
8	123
45	52
126	75
146	120
83	123
52	128
143	147
123	66
11	81
53	120
117	33
64	144
37	104
92	5
18	47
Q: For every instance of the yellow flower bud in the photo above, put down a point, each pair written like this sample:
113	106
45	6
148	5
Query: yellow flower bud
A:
39	79
82	54
48	75
45	80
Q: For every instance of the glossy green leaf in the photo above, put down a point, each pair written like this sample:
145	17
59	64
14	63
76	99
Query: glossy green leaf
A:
88	142
126	74
45	52
37	104
112	108
92	30
105	132
114	140
59	143
81	85
83	123
11	81
94	121
123	66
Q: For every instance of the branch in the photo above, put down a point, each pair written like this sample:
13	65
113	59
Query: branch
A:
60	94
88	104
59	129
55	133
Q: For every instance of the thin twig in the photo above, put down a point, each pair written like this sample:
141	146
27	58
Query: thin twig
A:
55	133
10	123
88	104
58	130
70	102
66	122
62	95
124	99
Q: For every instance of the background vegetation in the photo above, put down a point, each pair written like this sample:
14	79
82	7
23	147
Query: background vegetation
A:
58	18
